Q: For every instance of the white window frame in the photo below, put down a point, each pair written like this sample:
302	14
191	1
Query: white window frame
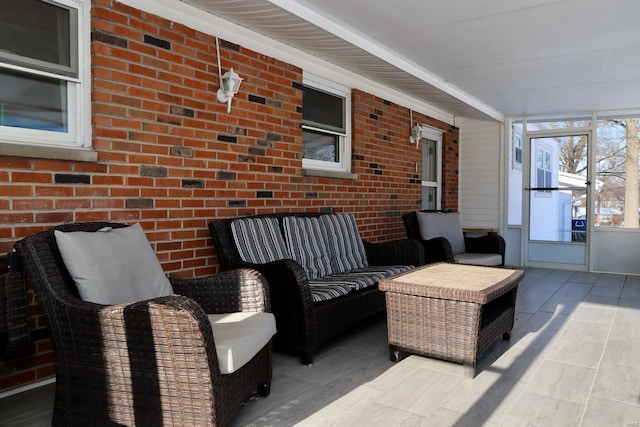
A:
517	146
433	134
546	152
78	135
344	139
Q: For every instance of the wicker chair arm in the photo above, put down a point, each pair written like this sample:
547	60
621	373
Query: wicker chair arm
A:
226	292
173	326
437	249
492	243
396	252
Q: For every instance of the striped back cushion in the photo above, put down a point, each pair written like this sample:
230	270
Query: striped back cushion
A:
259	240
344	242
306	241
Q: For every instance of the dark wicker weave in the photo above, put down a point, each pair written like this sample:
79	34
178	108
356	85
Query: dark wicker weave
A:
302	325
439	249
147	363
449	323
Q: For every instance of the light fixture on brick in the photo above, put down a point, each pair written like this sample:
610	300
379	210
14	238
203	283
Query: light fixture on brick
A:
229	83
416	131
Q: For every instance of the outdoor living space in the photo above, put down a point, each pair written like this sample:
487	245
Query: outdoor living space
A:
571	361
171	115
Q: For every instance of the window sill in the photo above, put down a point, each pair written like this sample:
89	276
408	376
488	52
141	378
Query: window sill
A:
51	153
329	174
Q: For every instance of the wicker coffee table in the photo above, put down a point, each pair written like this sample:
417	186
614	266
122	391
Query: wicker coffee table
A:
452	312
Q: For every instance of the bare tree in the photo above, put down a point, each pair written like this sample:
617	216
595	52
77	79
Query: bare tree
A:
631	170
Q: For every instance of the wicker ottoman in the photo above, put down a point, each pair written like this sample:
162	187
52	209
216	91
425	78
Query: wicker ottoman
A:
452	312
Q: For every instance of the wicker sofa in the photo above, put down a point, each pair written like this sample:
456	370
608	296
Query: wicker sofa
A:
315	295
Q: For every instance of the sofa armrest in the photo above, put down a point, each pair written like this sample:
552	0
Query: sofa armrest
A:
396	252
291	302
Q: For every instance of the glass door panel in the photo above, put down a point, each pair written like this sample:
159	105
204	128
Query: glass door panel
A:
558	191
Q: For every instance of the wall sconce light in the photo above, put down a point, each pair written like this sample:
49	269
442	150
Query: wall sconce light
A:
229	86
416	134
416	131
229	82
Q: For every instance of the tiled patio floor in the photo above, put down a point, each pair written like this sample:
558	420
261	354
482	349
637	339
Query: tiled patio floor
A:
572	361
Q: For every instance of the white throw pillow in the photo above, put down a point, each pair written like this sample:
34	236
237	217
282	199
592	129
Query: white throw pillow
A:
113	266
442	224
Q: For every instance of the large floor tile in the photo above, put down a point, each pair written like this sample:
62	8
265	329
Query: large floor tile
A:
562	381
542	411
576	351
422	393
489	396
587	331
623	354
443	417
605	412
617	382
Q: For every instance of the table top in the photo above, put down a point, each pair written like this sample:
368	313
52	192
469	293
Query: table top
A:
458	282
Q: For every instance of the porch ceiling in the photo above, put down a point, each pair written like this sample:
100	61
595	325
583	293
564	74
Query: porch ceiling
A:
478	59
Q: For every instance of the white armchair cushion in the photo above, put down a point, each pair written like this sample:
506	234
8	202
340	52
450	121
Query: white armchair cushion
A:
239	336
442	224
113	266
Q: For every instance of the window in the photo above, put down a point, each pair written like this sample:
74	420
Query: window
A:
325	125
517	151
42	74
543	169
431	168
617	168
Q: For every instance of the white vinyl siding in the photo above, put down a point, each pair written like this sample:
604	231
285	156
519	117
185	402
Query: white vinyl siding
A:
480	173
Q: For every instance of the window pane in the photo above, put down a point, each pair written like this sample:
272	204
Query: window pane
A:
322	109
539	157
617	148
36	30
540	178
33	102
320	146
429	198
518	155
430	160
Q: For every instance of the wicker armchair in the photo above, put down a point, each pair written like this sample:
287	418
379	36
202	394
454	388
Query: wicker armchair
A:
151	362
439	249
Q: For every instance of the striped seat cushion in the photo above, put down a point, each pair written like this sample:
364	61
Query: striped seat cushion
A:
344	242
259	240
323	290
306	242
363	278
340	284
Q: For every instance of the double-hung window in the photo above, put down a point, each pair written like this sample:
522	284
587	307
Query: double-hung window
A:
43	78
517	151
325	125
543	169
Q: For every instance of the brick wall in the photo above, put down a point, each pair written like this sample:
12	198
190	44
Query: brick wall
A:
171	158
